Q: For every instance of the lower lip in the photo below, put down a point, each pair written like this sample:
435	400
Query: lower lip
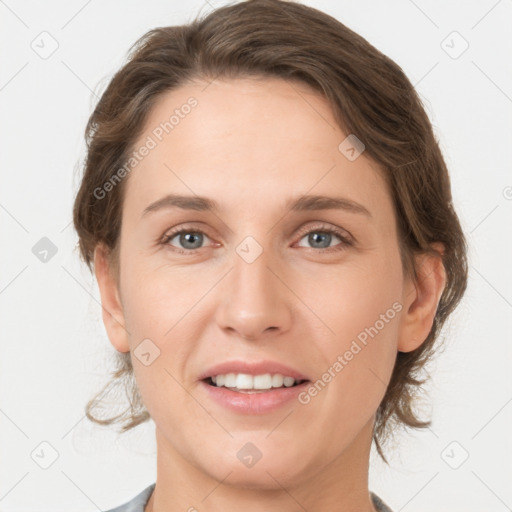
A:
253	403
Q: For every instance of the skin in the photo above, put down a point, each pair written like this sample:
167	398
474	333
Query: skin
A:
251	145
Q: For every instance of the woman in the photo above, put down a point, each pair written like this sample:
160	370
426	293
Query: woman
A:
269	219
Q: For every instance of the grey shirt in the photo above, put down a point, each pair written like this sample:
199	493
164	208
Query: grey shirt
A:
138	503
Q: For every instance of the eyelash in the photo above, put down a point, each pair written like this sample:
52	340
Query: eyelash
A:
345	240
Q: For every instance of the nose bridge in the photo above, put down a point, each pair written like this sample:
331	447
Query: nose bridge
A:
255	300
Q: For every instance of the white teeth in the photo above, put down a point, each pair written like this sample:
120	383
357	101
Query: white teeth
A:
277	381
229	380
289	382
245	381
262	381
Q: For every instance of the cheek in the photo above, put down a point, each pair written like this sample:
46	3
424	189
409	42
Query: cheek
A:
353	296
360	304
155	299
159	307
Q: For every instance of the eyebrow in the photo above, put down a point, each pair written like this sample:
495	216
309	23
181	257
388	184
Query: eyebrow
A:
300	204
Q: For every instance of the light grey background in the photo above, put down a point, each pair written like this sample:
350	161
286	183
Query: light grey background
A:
55	352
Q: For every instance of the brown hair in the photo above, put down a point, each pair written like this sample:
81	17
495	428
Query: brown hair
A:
370	96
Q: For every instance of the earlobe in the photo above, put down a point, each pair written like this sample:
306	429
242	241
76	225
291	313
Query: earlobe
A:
112	309
421	298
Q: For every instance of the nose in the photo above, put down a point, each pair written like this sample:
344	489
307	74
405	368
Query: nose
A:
255	300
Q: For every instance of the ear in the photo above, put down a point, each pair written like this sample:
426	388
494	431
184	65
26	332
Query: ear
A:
421	298
113	314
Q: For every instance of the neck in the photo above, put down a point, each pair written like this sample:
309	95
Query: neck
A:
341	484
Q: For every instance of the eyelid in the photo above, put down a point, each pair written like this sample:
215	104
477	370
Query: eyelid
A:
188	226
342	233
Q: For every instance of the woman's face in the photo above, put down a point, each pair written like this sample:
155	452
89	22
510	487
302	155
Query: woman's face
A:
317	287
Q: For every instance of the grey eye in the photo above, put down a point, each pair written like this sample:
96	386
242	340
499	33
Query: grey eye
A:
189	239
320	239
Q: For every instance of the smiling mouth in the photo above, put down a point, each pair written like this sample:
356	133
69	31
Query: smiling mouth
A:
210	382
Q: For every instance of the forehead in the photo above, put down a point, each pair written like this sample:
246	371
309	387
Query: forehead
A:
247	140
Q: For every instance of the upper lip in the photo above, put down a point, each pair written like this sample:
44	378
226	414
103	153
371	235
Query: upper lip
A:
252	368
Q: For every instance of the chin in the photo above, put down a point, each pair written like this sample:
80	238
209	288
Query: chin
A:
258	478
269	468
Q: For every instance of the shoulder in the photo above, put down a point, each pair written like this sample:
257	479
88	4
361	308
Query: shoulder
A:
137	503
379	504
